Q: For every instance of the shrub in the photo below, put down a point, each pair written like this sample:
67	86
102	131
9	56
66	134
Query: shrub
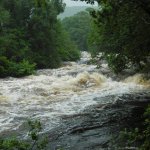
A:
4	66
73	55
35	142
138	137
10	68
116	62
21	69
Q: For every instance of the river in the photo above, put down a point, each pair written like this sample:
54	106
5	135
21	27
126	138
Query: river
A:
51	94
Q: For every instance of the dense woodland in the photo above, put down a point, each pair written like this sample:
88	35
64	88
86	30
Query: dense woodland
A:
79	28
32	37
121	33
119	30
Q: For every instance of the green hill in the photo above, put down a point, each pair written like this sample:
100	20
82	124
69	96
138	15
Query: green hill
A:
70	11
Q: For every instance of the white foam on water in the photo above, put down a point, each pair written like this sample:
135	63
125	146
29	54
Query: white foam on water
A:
53	93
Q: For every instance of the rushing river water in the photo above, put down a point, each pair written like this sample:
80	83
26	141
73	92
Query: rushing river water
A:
53	93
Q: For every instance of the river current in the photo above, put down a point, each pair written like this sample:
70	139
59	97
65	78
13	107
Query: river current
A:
52	93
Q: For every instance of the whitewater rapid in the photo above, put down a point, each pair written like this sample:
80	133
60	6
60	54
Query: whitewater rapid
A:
52	93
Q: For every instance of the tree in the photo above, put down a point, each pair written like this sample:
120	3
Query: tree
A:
30	34
123	29
78	27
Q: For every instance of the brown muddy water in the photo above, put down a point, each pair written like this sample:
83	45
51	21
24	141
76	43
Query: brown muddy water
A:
53	93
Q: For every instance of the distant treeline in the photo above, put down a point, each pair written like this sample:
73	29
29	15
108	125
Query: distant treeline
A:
32	37
79	27
70	11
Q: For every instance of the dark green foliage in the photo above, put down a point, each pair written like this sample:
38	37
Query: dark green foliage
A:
35	141
10	68
67	48
116	62
20	69
78	27
123	29
30	34
42	37
13	144
137	137
4	65
39	142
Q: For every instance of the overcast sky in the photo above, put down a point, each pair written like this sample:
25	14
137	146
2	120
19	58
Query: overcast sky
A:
75	3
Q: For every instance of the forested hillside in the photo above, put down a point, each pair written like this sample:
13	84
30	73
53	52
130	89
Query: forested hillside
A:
79	26
31	36
70	11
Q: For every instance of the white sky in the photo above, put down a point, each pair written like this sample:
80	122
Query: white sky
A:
75	3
